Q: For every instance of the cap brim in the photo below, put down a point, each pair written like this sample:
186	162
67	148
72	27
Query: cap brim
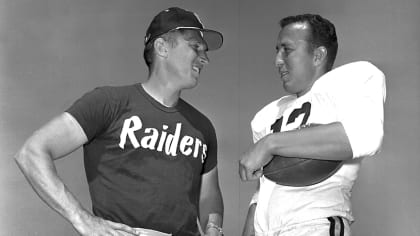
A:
213	39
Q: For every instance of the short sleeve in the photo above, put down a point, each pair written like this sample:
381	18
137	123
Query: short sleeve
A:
360	106
92	111
211	149
211	159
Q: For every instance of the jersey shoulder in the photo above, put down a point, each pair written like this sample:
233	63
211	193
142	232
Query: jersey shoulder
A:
270	111
350	78
195	116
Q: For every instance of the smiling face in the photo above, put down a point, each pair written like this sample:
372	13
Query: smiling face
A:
187	58
295	59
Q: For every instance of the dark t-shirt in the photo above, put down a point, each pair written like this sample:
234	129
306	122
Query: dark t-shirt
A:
143	160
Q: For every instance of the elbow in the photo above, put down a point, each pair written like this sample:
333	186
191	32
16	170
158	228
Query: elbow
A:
375	142
30	156
369	145
375	145
23	157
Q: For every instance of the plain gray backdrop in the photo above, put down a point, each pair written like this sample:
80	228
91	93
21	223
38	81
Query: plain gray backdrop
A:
53	51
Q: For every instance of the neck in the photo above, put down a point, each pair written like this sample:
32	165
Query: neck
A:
159	87
318	74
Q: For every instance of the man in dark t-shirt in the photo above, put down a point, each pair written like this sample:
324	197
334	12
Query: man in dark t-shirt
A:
150	157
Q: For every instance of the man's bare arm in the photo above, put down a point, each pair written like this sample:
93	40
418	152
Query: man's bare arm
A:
56	139
325	142
211	203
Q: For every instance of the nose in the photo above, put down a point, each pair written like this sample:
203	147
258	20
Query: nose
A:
279	62
203	58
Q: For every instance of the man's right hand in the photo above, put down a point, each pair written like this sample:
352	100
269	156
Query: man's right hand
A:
91	225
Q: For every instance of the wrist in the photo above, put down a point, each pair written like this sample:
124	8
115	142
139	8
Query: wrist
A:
79	217
213	229
269	145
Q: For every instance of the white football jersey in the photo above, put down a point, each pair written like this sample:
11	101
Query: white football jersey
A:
353	94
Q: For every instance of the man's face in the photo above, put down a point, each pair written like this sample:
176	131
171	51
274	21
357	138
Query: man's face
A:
187	58
295	59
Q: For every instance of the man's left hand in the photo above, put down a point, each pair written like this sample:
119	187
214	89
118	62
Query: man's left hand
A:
252	161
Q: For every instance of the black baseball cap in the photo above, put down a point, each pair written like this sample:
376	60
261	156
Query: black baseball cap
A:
177	18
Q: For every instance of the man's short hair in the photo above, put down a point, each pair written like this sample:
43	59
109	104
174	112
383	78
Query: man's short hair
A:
322	34
170	37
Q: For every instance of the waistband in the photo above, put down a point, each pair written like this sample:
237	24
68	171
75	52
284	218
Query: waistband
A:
150	232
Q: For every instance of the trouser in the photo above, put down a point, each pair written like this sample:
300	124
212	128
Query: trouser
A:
331	226
150	232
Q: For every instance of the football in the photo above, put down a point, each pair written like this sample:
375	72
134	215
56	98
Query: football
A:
299	172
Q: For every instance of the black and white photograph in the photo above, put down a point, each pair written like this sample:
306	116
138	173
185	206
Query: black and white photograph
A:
209	118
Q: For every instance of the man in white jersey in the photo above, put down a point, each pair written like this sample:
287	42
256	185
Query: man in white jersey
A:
347	102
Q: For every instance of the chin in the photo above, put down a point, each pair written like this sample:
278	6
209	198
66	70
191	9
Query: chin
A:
288	89
191	85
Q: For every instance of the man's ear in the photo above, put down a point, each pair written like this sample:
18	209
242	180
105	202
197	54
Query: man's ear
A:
320	55
161	47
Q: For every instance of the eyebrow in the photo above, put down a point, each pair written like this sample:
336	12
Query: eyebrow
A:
192	34
284	44
200	43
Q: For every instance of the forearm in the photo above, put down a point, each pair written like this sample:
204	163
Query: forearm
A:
38	168
327	142
248	229
214	225
211	210
211	204
211	216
